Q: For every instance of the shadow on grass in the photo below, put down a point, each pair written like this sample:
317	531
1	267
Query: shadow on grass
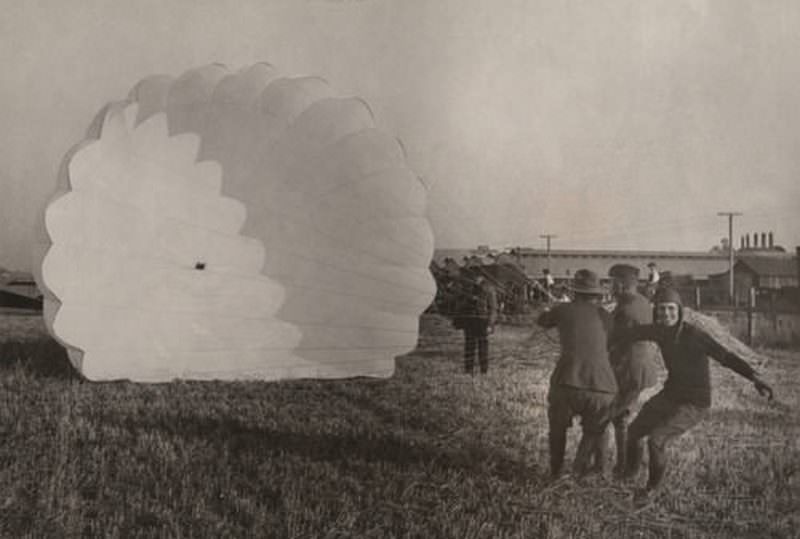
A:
779	415
41	357
344	449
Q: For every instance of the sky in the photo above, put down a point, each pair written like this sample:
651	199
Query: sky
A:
623	124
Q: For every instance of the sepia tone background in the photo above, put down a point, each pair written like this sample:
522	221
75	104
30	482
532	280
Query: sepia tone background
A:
625	124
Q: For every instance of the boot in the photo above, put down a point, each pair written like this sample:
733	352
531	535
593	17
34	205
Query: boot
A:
657	465
587	448
600	453
558	446
633	461
621	439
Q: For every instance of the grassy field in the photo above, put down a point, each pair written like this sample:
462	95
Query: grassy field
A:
428	453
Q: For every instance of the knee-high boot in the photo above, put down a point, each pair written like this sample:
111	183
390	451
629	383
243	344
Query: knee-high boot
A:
621	439
558	446
657	465
633	456
588	447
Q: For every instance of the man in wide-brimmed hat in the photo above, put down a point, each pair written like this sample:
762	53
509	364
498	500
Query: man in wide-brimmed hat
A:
583	382
634	364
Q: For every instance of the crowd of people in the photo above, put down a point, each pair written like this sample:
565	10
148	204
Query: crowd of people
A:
607	359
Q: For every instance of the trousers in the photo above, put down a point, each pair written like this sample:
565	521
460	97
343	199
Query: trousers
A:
661	420
476	343
594	409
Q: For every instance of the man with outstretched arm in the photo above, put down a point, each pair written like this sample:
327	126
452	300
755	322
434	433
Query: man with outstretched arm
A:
686	396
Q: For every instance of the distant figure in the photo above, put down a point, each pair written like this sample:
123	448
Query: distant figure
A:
548	285
653	278
583	382
686	396
634	365
561	295
476	314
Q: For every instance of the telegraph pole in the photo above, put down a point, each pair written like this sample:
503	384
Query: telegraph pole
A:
548	237
730	215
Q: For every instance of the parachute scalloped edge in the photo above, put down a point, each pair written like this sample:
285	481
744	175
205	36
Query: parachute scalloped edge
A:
333	265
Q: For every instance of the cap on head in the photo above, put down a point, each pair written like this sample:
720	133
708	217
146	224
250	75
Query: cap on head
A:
626	274
668	295
587	282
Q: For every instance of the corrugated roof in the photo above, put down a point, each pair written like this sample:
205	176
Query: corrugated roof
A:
653	256
773	266
564	264
10	276
439	255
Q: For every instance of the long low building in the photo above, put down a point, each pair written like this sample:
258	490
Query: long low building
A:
18	290
564	263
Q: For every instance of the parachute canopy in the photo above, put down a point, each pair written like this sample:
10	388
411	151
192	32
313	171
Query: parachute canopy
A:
236	226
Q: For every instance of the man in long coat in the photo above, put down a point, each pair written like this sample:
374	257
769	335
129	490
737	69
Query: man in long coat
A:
476	315
583	383
634	364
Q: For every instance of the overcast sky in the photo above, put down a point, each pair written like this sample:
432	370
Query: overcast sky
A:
616	124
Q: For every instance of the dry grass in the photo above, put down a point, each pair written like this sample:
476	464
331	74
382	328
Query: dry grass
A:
428	453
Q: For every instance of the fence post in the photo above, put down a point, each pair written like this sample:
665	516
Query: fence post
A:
750	315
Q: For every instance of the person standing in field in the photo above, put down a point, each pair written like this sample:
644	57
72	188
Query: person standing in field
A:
583	383
686	396
476	315
549	283
653	278
635	364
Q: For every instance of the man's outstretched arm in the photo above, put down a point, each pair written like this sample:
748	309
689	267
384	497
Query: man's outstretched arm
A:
738	365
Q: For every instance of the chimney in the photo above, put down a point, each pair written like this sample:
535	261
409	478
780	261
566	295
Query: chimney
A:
770	239
797	258
755	240
763	240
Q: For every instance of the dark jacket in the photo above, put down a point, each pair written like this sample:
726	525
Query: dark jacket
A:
476	301
686	349
583	331
634	365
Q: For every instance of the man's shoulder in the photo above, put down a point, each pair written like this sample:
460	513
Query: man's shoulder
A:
697	335
635	306
561	310
584	309
633	298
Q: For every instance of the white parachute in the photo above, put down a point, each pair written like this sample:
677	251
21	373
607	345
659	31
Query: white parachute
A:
236	226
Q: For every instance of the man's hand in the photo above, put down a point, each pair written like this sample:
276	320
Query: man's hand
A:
763	388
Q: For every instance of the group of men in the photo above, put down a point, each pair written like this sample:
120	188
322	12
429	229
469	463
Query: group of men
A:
606	361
